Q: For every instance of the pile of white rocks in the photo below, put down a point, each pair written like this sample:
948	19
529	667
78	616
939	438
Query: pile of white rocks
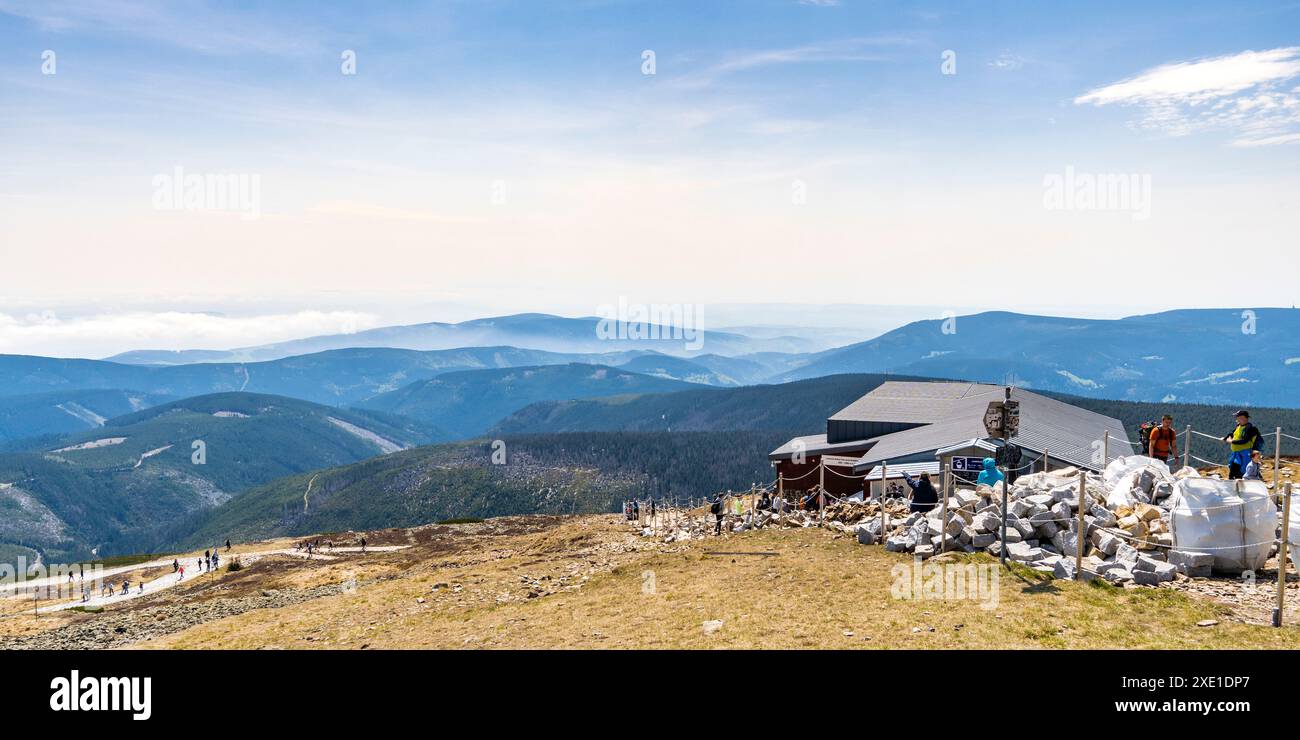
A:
1126	524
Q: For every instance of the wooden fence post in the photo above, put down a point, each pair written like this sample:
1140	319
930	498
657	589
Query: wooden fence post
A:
884	488
1082	529
821	485
1281	558
1277	459
943	519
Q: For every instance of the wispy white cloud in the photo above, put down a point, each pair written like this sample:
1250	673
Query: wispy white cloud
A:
1007	60
866	49
189	24
1248	94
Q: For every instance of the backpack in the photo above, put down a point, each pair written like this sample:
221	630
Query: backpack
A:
1259	439
1146	443
716	508
1144	434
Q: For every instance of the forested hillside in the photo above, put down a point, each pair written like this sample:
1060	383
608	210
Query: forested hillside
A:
561	473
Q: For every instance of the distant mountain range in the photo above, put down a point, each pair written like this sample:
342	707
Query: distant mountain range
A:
337	377
1190	356
535	331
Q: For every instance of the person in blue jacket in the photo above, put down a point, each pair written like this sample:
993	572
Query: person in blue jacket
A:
991	474
924	497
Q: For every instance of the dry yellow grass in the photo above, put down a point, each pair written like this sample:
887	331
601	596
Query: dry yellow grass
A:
809	594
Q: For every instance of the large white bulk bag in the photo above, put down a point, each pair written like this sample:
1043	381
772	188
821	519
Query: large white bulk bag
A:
1208	515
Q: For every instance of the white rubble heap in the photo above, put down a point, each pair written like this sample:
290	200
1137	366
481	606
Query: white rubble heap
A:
1128	533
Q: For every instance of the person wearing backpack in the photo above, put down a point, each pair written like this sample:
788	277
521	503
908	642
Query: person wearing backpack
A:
1162	443
1242	441
716	508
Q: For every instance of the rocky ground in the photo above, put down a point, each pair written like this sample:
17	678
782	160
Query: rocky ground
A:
594	581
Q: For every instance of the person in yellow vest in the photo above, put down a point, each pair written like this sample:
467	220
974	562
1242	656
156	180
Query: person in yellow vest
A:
1243	440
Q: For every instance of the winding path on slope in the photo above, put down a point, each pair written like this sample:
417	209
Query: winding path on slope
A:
169	580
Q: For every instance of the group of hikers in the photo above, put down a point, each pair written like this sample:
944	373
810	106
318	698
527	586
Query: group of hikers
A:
632	509
210	561
765	502
107	589
1245	445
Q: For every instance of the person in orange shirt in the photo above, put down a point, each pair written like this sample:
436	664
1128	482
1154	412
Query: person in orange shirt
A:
1164	443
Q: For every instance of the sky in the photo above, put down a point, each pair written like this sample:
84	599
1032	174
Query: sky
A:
205	175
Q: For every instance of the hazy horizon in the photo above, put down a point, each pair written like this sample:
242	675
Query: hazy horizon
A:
99	336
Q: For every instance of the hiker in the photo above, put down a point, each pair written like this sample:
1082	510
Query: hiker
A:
227	545
141	588
180	574
1252	471
216	560
716	509
176	565
363	544
1162	443
924	497
126	588
990	476
1242	441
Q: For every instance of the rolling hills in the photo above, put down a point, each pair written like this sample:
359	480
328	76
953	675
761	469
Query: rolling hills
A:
142	470
801	407
468	403
561	473
64	412
337	377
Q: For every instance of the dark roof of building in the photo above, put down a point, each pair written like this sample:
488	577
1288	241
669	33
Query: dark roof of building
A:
816	444
1065	432
952	413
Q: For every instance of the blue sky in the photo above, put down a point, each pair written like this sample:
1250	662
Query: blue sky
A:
491	157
